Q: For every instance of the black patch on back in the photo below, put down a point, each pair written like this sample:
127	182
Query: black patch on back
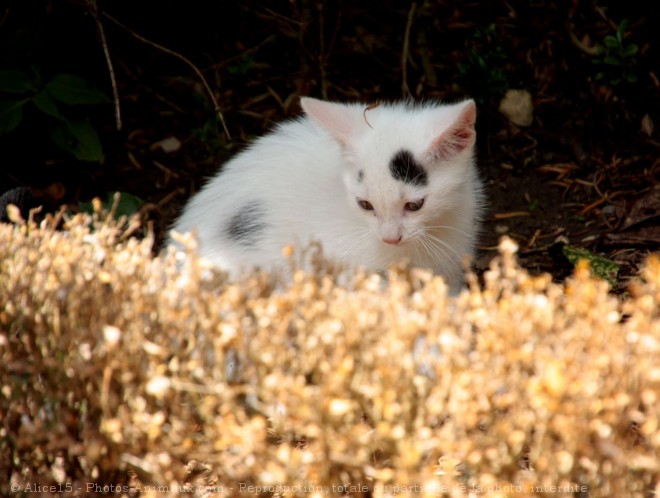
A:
245	227
360	176
403	167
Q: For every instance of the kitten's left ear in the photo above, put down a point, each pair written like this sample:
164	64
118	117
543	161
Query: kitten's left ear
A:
460	136
340	120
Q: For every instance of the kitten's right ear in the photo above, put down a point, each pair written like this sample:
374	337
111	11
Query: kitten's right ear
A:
460	136
339	120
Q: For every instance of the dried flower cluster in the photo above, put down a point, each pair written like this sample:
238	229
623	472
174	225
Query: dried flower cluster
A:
123	374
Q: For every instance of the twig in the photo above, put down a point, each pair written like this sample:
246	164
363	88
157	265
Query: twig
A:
369	108
592	51
280	16
325	48
594	204
404	53
322	55
106	52
426	59
184	59
245	53
534	238
511	214
274	94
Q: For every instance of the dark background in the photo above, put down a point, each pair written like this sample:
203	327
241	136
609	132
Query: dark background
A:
585	172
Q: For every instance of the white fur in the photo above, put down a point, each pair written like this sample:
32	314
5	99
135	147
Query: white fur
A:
304	176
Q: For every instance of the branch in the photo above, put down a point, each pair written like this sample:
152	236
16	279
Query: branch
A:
404	52
592	51
104	43
181	57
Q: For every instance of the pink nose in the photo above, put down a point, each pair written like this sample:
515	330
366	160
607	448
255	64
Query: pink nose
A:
394	242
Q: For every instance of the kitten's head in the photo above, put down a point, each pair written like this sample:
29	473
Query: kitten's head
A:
405	166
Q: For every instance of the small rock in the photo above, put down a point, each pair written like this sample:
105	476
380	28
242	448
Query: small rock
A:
168	145
647	125
518	108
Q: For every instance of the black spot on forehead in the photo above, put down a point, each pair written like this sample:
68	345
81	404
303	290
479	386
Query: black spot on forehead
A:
403	167
360	176
247	225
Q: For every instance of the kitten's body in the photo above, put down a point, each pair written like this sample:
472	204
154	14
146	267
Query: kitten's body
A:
373	187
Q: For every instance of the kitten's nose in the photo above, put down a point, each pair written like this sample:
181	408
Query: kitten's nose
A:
393	241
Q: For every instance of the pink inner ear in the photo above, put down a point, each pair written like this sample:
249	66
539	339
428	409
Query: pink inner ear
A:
336	119
459	137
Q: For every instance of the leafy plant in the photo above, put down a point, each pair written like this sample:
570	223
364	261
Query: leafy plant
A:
118	203
482	72
534	205
243	66
209	131
210	134
69	130
600	266
617	57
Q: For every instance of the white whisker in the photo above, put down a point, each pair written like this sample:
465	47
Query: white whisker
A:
447	227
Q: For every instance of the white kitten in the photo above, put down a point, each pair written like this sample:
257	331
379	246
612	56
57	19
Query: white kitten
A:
374	185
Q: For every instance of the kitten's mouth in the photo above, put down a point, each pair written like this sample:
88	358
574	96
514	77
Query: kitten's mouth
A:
394	242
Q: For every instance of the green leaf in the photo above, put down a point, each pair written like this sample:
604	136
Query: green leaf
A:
15	82
243	66
611	42
11	114
631	78
534	205
128	204
80	139
600	266
621	31
612	60
630	50
45	103
63	138
74	90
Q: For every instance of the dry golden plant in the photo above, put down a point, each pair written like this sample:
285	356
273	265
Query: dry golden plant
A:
123	374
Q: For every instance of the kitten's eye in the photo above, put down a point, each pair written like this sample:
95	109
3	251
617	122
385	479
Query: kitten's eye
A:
414	206
366	205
